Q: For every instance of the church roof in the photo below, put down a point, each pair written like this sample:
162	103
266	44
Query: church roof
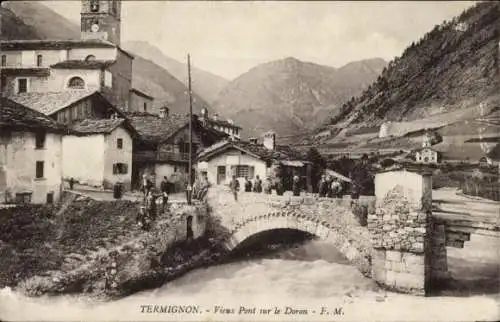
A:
54	44
153	128
17	116
82	64
20	72
50	102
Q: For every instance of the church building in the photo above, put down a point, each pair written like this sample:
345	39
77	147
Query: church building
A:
95	62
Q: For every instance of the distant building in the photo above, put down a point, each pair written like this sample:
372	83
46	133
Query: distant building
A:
30	155
140	101
215	123
426	154
99	153
249	159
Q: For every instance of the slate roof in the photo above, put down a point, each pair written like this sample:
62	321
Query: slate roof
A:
19	117
280	153
97	126
50	102
42	72
82	64
153	128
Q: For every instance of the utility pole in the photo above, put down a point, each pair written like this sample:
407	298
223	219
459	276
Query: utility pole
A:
189	186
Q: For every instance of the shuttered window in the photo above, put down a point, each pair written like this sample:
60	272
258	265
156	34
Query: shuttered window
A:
243	171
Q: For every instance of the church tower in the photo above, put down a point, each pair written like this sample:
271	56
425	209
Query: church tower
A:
100	19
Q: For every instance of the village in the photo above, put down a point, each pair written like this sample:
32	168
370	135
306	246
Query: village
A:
122	193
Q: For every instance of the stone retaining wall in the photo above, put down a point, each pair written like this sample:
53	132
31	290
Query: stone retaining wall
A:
401	231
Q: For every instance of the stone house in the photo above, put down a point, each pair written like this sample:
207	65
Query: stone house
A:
140	101
250	159
99	153
162	148
30	155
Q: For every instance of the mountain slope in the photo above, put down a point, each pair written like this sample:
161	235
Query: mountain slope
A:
32	20
166	89
290	96
452	68
47	23
204	83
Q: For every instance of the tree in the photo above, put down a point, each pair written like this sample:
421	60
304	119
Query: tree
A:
317	167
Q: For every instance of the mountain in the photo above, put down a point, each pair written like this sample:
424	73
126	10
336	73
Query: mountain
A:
290	96
164	87
46	22
449	75
32	20
206	84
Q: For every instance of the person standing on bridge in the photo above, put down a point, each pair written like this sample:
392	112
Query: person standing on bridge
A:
257	186
322	188
296	185
235	187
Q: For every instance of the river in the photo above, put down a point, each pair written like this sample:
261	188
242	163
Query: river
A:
308	279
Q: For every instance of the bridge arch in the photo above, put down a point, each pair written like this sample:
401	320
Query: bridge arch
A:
351	248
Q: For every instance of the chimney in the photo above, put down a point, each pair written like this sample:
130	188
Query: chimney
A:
270	140
252	140
164	112
215	117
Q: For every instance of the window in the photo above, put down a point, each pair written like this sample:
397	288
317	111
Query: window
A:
119	143
243	171
145	107
76	83
120	168
23	197
4	60
94	5
22	85
39	169
39	60
40	140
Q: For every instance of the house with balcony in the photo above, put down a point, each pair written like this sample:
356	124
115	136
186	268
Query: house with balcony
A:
30	155
162	148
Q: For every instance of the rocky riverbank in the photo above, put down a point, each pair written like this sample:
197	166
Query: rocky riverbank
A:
94	247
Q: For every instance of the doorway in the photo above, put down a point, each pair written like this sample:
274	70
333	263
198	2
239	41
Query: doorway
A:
221	174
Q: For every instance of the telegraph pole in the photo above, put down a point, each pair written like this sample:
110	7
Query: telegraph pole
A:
189	186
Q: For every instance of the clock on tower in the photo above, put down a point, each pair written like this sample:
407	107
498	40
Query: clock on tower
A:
100	19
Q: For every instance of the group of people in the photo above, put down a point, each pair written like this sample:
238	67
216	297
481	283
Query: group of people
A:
234	184
148	212
330	187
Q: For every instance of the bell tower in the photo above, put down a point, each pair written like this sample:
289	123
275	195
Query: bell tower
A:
100	19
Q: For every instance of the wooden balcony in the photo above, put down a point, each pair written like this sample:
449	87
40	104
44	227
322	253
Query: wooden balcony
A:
153	156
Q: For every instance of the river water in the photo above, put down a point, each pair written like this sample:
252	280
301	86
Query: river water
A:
302	283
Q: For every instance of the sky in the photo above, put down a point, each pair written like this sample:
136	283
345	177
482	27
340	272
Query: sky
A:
229	38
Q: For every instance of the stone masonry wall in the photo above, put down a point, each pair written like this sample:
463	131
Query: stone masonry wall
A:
401	231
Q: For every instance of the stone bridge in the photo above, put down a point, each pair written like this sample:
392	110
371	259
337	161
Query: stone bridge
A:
401	245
